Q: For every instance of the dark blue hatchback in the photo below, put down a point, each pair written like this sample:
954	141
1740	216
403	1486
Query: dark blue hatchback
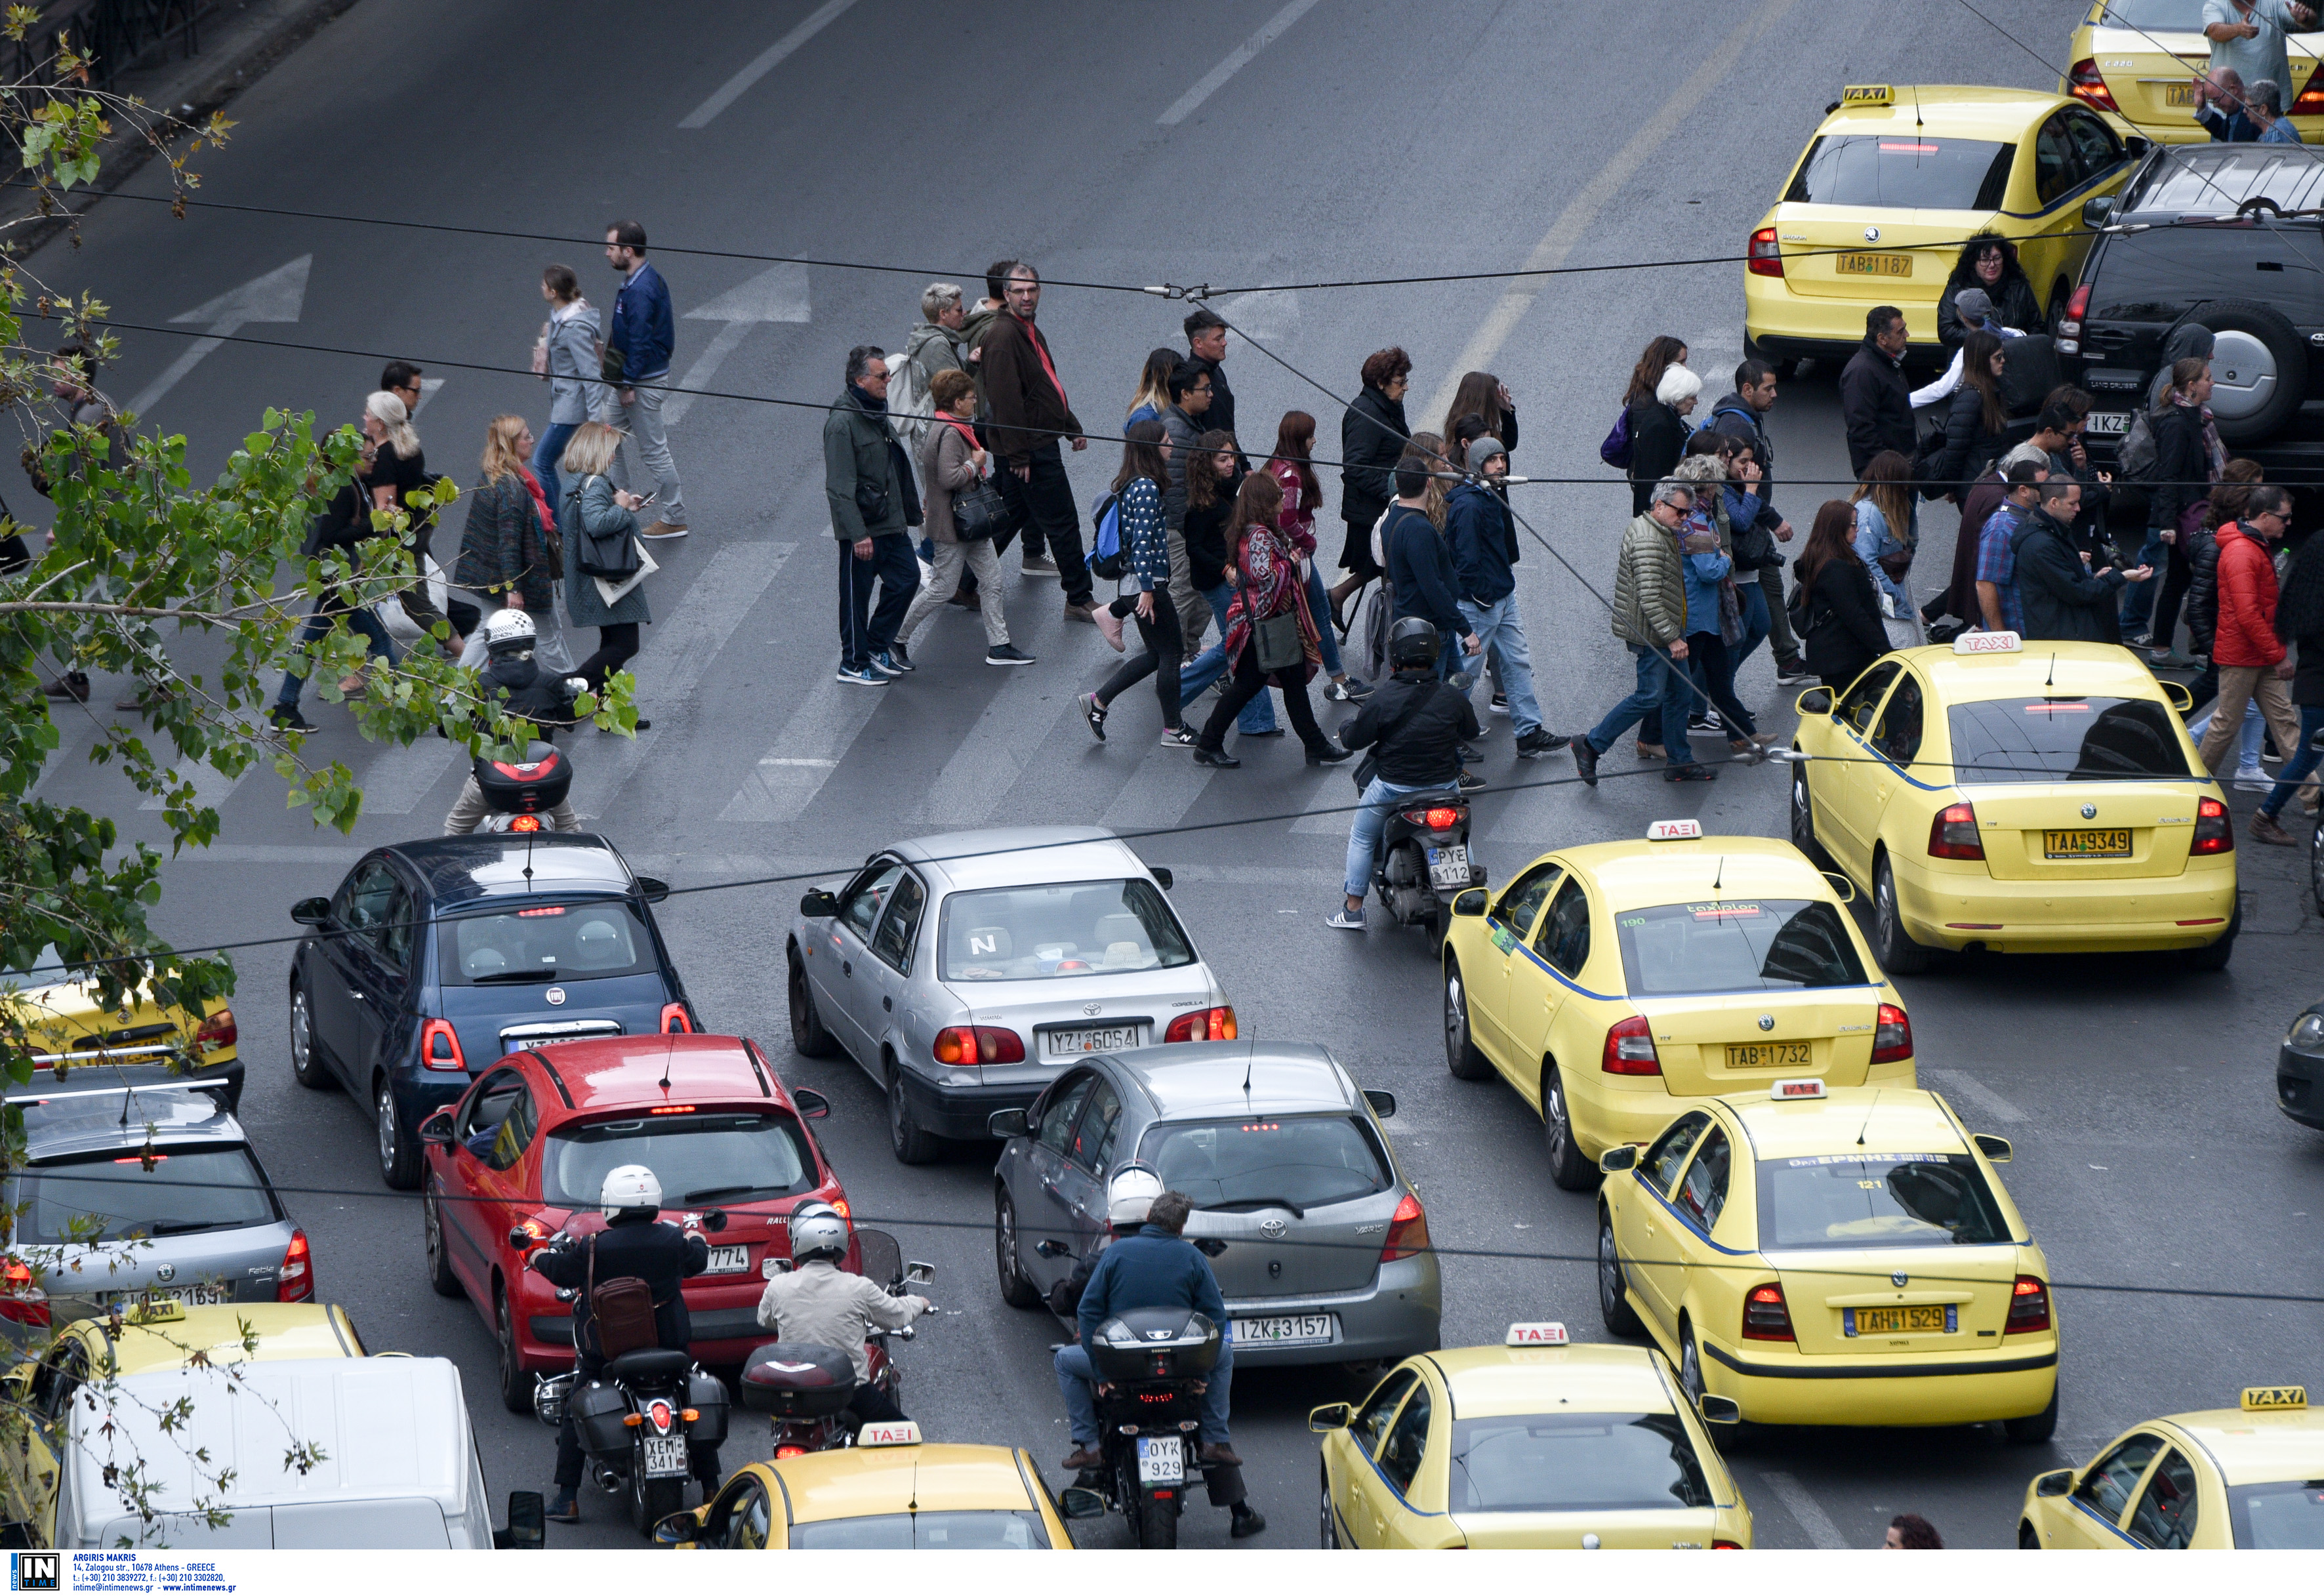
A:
434	958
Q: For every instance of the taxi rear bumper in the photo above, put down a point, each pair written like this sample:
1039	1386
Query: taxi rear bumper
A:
1637	1116
1779	1388
1956	911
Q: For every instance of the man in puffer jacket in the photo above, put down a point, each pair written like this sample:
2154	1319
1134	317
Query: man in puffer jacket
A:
2252	660
1650	617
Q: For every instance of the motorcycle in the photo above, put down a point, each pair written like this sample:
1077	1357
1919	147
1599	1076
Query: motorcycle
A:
1424	860
1150	1365
806	1387
522	795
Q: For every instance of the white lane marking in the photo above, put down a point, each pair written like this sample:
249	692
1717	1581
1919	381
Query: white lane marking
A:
994	753
1806	1512
1329	806
736	86
1961	1084
212	787
779	293
1573	223
277	295
1166	784
807	750
1265	314
428	387
75	736
398	778
1237	60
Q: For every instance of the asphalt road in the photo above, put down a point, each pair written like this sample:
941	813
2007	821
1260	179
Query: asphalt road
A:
1363	139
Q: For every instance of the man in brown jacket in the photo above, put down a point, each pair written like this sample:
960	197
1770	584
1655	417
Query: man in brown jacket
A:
1028	413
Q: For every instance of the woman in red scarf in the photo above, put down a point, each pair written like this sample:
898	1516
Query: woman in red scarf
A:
504	558
1270	603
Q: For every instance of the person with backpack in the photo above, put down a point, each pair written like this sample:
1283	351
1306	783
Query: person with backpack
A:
1145	550
1373	433
1663	351
2187	458
951	463
1658	432
1742	414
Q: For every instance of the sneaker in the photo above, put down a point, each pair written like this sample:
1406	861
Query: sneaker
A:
1794	673
2144	640
287	718
1500	704
1703	724
1109	627
1541	740
2252	779
1180	737
1345	919
1039	565
662	528
2264	829
1694	770
1469	782
1585	760
862	677
893	660
1007	654
1095	712
72	685
1084	610
1469	756
1347	690
1215	756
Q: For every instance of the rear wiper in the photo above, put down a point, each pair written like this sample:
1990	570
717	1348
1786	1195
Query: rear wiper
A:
165	1228
710	1192
1297	1210
512	977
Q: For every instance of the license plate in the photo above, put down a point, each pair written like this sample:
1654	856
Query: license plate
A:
1290	1330
1161	1460
729	1261
1865	263
192	1297
665	1457
1938	1319
2107	423
1449	866
2178	94
2087	845
1768	1055
1095	1039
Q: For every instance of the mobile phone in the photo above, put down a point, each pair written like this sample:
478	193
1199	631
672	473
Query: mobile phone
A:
649	498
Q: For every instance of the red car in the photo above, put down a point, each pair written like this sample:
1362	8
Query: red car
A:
530	1144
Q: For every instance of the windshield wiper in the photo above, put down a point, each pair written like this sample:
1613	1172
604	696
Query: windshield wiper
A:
1239	1202
182	1227
512	977
711	1193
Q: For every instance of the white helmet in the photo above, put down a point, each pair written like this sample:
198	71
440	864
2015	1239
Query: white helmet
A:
1130	1193
818	1231
632	1189
508	632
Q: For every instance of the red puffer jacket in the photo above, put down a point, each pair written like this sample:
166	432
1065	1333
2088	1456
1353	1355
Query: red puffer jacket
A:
2247	578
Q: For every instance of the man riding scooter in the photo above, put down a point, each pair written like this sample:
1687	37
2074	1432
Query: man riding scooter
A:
530	694
818	1302
1415	725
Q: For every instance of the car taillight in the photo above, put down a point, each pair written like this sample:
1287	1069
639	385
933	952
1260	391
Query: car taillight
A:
1408	1231
676	1021
1202	1025
1766	1315
2070	329
439	1046
1766	256
295	1281
2086	84
1630	1048
1952	835
2213	834
2029	1306
217	1031
1727	1546
21	1301
2311	102
534	1231
1444	819
979	1044
1892	1036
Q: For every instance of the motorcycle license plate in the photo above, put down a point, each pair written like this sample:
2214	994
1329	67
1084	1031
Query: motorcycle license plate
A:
1449	866
665	1457
1161	1460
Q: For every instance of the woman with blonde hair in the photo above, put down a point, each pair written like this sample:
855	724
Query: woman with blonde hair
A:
505	549
594	507
398	469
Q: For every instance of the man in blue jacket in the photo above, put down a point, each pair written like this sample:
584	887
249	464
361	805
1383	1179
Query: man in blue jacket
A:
642	333
1483	537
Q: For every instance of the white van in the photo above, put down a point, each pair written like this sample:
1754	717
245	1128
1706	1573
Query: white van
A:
397	1468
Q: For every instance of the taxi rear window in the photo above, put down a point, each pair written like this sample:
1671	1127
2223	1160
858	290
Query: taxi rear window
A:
1736	944
1903	171
2065	739
2285	1515
1575	1462
2178	16
1876	1200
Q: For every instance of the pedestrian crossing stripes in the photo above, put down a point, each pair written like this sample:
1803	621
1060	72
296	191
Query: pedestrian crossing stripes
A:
397	778
211	787
802	758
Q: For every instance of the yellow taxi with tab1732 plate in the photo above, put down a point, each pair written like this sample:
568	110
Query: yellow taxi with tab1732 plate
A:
1535	1444
1832	1256
1895	181
2136	61
891	1491
2249	1476
1614	984
2018	798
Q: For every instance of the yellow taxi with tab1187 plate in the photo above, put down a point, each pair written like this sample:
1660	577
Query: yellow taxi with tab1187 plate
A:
1833	1257
1614	984
2018	798
2136	61
1535	1444
2250	1476
1896	180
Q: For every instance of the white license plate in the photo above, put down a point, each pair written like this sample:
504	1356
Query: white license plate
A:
665	1457
1290	1330
1095	1039
729	1261
192	1297
1449	866
1161	1460
2107	423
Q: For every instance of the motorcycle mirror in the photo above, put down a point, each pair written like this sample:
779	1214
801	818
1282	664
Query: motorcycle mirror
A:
520	1240
651	888
436	1130
527	1524
919	1273
1050	1248
1471	902
311	911
714	1220
676	1531
1162	876
1383	1102
812	1104
818	905
1079	1501
1332	1416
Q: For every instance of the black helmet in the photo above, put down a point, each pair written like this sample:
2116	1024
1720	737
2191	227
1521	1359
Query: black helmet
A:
1413	644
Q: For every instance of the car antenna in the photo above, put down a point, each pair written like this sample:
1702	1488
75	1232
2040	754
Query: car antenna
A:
1860	1129
1249	1054
528	858
667	1048
1720	875
2051	680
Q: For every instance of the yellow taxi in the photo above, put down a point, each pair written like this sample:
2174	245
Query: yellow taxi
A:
2018	798
2135	60
1614	984
1535	1444
2248	1476
1896	180
1832	1256
891	1491
150	1039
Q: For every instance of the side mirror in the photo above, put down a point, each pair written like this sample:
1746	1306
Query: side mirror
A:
818	905
1383	1102
1162	875
2136	145
677	1530
714	1220
1840	885
1078	1502
2057	1482
651	888
311	911
811	1103
919	1273
2097	210
2181	698
436	1130
1006	1122
521	1239
1615	1159
1719	1410
1469	903
1331	1417
1996	1148
1049	1247
527	1524
1814	701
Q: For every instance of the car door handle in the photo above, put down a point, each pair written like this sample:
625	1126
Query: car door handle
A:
889	1004
846	968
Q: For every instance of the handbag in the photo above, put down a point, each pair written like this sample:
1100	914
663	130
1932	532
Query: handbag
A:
614	556
1277	638
978	512
623	1310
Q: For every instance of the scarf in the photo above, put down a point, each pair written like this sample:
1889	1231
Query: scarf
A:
539	500
1271	584
2215	453
1041	349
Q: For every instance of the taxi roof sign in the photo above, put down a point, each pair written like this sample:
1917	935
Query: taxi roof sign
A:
1804	1090
904	1433
1988	643
1545	1333
2275	1398
1674	831
1867	94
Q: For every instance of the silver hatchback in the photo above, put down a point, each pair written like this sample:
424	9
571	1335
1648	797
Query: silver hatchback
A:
1320	1244
963	972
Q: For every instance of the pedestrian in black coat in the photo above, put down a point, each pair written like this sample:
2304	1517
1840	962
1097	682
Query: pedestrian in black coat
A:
1990	262
1875	402
1659	432
1843	632
1975	424
1373	433
2065	600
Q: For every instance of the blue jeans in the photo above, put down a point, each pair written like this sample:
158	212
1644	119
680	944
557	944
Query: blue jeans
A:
2138	597
318	625
2298	762
1380	801
547	453
1512	659
1319	607
1755	624
1662	687
1207	667
1077	1383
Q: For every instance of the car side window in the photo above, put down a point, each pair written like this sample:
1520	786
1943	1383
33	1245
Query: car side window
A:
364	901
1898	736
1703	1192
2095	146
1863	696
1093	1139
1565	940
2165	1518
2106	1488
748	1519
1370	1422
1521	904
2056	166
500	1120
1057	1118
1407	1438
1667	1157
399	927
899	929
60	1378
863	901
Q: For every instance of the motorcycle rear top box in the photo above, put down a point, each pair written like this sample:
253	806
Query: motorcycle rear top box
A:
538	784
797	1379
1155	1343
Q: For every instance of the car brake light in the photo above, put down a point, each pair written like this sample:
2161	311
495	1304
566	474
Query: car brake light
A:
2213	834
2086	84
1408	1231
1202	1025
1727	1546
217	1031
1766	256
2029	1306
439	1046
2311	102
1766	1315
2069	328
979	1044
1892	1036
1630	1048
295	1280
1952	835
1444	819
676	1021
21	1301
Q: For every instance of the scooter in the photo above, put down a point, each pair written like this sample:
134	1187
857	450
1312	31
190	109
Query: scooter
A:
806	1387
1424	860
1152	1366
522	793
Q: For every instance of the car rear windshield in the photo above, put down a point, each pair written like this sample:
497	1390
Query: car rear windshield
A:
547	942
1300	1162
1736	944
1067	928
1903	171
2285	1515
1877	1200
1575	1462
2176	17
2065	740
113	1197
708	1158
924	1532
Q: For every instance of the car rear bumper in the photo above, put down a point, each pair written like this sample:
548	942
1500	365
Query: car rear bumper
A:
720	1336
1779	1388
2050	916
1638	1117
1786	324
2300	1086
960	1111
1401	1312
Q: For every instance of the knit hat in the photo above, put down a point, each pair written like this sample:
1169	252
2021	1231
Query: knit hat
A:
1482	450
1975	305
2029	453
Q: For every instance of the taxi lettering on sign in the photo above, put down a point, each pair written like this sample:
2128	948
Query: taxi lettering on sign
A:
1988	643
1867	94
1674	831
2275	1398
1544	1334
905	1434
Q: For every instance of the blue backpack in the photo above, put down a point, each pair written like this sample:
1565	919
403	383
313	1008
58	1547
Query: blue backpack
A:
1105	560
1616	450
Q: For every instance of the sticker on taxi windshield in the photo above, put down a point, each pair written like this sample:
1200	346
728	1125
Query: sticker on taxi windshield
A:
1722	912
1811	1162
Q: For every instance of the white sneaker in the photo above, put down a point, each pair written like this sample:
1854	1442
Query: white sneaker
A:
2252	779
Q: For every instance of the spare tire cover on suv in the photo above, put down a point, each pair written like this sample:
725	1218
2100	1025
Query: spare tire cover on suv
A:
2259	370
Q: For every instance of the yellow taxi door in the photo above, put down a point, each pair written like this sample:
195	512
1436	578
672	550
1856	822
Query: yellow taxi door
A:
34	1470
2076	156
1845	776
1646	1230
1698	1199
1509	922
1892	744
1412	1467
1534	994
2090	1516
1355	1495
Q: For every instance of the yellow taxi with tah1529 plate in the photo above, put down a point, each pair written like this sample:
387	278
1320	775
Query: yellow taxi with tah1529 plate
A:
2250	1476
2136	61
1614	984
1838	1256
1535	1444
1896	180
2018	798
888	1492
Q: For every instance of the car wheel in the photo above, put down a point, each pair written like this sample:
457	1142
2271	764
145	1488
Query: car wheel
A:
1327	1533
1613	1304
2027	1541
911	1144
1898	954
808	1038
2036	1429
1567	1167
1016	1290
2259	370
516	1385
439	1258
305	1062
399	1150
1461	1054
1804	836
2215	956
1689	1364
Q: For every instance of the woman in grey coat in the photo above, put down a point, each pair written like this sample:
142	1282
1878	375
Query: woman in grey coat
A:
594	507
567	361
950	460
